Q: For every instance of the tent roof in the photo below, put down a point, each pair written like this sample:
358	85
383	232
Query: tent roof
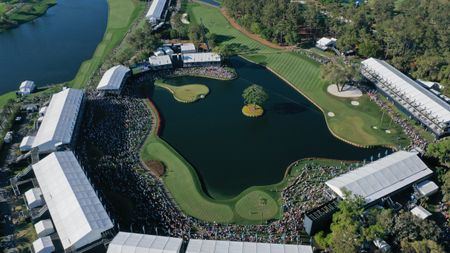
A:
426	188
27	141
26	85
427	100
60	118
73	205
113	78
161	60
33	194
43	225
420	212
382	177
201	57
187	47
213	246
156	9
42	243
125	242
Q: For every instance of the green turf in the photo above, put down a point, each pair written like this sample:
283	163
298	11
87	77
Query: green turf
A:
122	13
4	98
257	206
23	11
351	123
185	93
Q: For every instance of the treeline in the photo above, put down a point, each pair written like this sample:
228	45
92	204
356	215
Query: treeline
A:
280	21
412	35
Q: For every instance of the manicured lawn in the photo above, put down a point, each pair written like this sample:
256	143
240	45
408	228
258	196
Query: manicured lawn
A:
23	11
122	13
5	97
185	93
351	123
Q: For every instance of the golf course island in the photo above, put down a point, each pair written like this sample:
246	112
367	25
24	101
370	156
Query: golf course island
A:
252	110
188	93
15	12
254	96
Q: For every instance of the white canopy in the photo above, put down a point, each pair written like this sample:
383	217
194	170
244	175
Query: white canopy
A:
34	198
382	177
113	78
201	58
420	212
427	188
27	87
26	143
188	48
43	245
156	10
213	246
157	61
76	211
59	121
125	242
415	98
44	228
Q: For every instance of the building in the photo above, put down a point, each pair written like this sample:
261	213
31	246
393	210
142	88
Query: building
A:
409	96
320	217
60	120
43	245
26	88
381	178
168	50
160	62
77	213
159	52
44	228
201	59
427	188
131	242
187	48
213	246
113	79
26	143
420	212
34	198
325	43
155	12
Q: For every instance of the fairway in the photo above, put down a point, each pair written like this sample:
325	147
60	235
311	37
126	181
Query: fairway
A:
185	93
351	124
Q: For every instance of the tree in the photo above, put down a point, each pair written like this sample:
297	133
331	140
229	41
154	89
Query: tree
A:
340	74
255	94
411	228
440	150
225	50
428	246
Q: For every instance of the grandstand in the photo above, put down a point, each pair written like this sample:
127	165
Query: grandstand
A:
125	242
77	213
200	59
160	62
409	96
381	178
113	79
60	120
214	246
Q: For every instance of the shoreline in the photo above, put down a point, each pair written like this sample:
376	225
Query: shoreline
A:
31	16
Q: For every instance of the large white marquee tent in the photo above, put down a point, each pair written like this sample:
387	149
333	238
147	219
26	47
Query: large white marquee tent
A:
59	121
77	213
382	177
213	246
125	242
420	102
155	11
113	79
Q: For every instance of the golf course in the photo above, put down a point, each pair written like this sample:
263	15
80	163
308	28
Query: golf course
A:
186	93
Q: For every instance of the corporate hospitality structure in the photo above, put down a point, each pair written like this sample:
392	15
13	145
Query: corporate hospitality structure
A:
60	120
200	59
408	95
75	209
113	79
155	12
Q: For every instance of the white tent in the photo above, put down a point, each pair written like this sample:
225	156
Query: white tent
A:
59	121
155	11
197	59
188	48
113	78
324	43
131	242
77	213
34	198
427	188
43	245
26	88
26	143
382	177
213	246
162	61
420	212
44	228
417	100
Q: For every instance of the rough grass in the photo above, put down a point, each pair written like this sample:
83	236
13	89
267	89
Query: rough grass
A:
122	13
185	93
351	123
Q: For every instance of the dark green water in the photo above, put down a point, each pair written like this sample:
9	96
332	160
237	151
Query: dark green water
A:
232	152
51	48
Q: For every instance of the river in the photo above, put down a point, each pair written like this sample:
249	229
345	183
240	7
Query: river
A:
51	48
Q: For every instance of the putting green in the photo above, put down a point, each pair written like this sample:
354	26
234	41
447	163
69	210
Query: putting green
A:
185	93
257	206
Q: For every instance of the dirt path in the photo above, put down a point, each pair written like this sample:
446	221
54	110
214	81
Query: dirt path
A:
252	35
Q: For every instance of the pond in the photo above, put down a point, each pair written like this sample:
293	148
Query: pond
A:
231	152
51	48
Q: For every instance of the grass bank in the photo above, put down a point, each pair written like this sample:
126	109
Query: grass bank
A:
353	124
122	14
17	12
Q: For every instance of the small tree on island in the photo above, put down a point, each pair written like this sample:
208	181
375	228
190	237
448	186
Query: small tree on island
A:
255	95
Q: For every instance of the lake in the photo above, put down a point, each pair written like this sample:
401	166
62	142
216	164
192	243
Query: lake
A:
232	152
51	48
